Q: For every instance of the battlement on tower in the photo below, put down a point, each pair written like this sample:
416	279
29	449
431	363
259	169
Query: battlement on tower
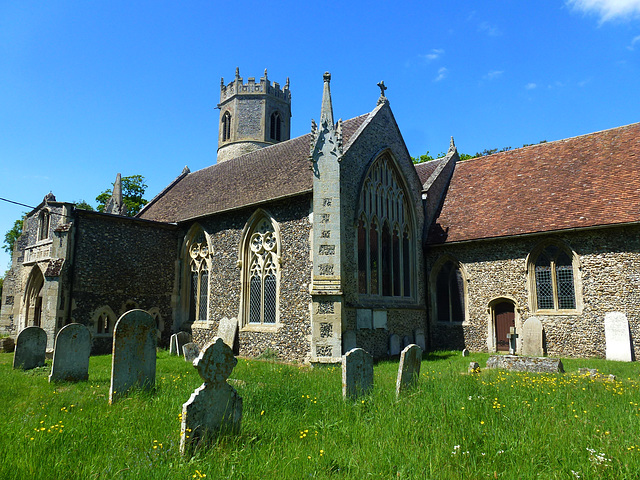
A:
263	87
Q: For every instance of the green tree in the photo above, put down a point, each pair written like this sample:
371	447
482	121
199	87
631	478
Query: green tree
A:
12	235
82	205
133	188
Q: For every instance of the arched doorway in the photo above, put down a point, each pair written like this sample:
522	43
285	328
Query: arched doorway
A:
33	298
504	318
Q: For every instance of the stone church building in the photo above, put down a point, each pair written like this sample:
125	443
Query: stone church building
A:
336	239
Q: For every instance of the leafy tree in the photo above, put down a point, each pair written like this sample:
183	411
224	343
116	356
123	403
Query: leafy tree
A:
12	235
133	188
82	205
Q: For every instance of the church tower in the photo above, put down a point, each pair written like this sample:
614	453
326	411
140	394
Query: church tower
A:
252	115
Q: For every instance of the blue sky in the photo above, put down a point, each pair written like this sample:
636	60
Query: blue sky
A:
90	89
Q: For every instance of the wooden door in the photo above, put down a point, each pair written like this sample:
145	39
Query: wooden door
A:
504	315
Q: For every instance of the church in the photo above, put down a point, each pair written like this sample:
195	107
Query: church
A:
335	239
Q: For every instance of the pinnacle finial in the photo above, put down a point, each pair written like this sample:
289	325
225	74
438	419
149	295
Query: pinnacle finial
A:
452	145
222	81
382	98
287	84
237	73
265	73
326	113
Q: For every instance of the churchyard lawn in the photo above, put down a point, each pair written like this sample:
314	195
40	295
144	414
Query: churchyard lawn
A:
295	424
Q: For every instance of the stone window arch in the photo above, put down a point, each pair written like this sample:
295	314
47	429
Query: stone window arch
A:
104	321
448	289
196	257
260	252
44	224
386	241
226	126
275	132
554	278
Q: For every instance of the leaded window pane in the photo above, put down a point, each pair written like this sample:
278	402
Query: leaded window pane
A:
544	287
386	260
442	294
406	258
566	292
193	298
270	299
362	258
456	287
202	304
255	299
373	258
396	264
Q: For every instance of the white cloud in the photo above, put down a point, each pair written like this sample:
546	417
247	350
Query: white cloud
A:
633	43
434	54
490	30
530	86
493	74
442	73
608	9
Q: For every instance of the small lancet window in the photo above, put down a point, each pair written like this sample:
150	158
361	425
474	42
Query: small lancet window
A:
44	222
276	127
226	126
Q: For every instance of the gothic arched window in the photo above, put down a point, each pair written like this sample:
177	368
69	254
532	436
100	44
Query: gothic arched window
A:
104	320
276	127
386	243
553	277
449	293
226	126
44	221
196	267
261	273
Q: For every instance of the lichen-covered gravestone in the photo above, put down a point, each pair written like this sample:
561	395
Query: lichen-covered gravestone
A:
532	337
227	330
177	341
71	354
133	363
31	348
357	373
190	351
215	406
409	367
616	333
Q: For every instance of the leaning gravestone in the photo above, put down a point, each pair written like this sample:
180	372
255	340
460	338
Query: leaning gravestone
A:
71	354
215	406
31	348
616	333
178	340
348	340
190	351
357	373
227	330
394	345
409	368
532	337
133	363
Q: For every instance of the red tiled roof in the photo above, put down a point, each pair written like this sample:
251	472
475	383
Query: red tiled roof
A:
577	182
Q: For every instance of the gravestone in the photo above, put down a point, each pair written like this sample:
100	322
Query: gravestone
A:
409	368
71	354
215	406
133	362
357	373
532	337
364	318
7	345
406	341
420	340
178	340
348	340
512	336
394	345
465	352
190	351
474	367
31	348
526	364
227	330
616	333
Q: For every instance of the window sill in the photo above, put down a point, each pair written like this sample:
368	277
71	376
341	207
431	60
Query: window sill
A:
260	327
556	312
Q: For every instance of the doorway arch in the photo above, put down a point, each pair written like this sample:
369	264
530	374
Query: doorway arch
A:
33	298
503	314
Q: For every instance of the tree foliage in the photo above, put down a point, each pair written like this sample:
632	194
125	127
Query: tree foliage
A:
465	156
12	235
133	188
83	205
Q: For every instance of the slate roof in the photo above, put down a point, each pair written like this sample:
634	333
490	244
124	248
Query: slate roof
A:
584	181
278	171
425	169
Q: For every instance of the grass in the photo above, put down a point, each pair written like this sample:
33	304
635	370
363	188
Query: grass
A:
296	424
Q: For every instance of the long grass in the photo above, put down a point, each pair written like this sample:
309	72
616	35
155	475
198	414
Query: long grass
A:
296	425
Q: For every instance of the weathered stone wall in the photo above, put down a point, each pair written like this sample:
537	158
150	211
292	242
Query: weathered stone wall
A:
609	260
121	262
290	339
233	150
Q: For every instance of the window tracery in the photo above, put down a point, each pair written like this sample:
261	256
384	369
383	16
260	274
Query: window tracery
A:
199	259
554	279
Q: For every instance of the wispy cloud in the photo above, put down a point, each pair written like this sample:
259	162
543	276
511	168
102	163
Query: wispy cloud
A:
530	86
492	75
634	42
434	54
442	74
608	9
488	29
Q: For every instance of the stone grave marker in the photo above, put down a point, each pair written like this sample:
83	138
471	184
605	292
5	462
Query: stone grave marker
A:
357	373
526	364
465	352
227	331
71	354
364	318
178	340
616	333
474	367
348	340
7	345
31	348
406	341
420	340
512	336
409	368
215	406
190	351
532	337
133	362
394	345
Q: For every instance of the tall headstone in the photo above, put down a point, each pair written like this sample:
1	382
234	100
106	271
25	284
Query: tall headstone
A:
71	354
190	351
364	318
420	339
177	341
409	368
357	373
532	337
394	345
31	348
348	340
616	333
227	330
215	406
133	363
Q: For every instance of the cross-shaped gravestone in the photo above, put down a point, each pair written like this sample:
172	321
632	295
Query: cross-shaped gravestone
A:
512	335
215	406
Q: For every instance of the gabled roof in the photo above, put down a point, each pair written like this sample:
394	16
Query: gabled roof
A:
425	169
278	171
585	181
